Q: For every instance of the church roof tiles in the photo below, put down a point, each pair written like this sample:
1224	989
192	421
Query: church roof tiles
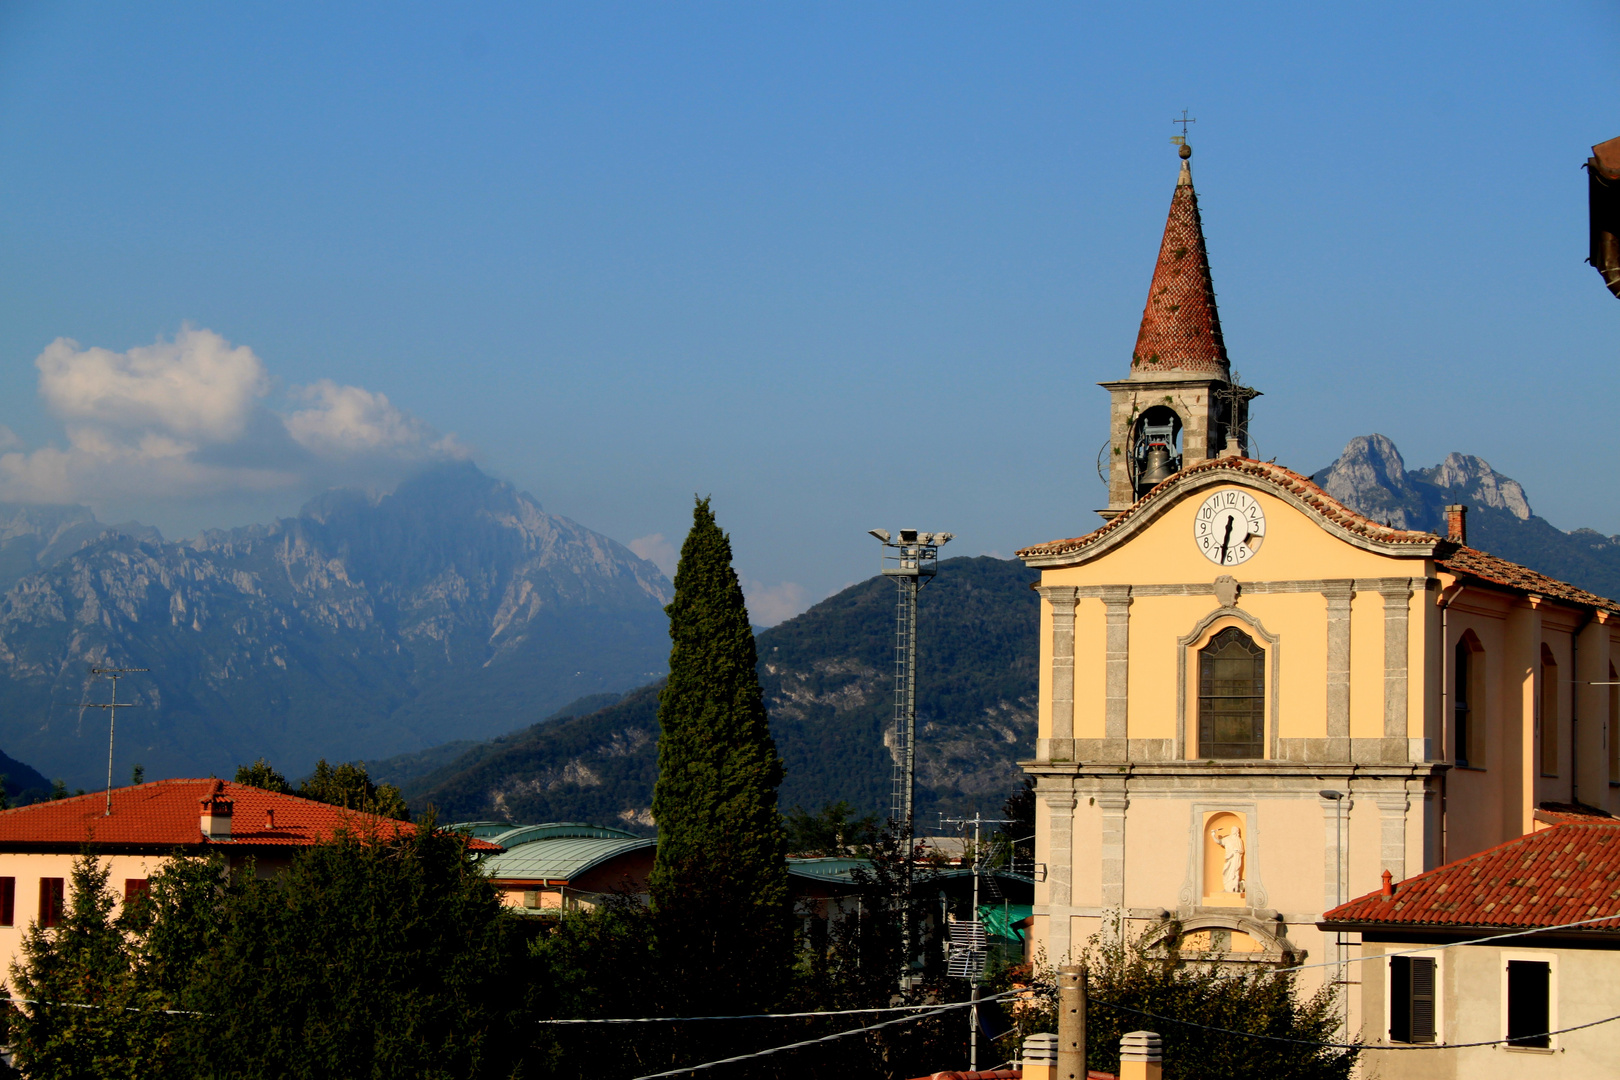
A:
1181	330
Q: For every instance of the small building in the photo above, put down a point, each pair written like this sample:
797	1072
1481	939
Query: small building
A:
1524	997
140	828
542	869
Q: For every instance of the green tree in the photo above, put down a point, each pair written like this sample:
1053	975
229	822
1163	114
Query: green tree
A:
834	830
370	956
349	786
719	883
1146	984
261	775
83	961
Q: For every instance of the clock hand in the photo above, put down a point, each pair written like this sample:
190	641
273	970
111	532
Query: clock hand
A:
1227	539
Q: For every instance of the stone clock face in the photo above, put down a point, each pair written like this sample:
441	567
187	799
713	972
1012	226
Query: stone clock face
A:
1229	527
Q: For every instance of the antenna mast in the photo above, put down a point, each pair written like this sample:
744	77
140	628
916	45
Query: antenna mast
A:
112	708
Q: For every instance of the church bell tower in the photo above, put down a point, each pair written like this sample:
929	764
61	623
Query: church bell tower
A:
1179	405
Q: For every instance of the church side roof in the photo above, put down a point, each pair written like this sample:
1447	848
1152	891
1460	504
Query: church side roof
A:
1482	566
1181	330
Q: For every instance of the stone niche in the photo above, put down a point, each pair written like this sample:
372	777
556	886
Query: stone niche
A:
1225	839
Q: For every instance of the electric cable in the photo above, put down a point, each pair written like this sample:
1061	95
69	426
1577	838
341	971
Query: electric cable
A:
743	1016
1447	945
936	1011
1349	1046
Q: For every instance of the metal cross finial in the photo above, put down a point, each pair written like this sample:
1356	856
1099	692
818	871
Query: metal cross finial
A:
1184	121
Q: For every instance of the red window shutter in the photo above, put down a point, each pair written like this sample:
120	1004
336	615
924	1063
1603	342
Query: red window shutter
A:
50	901
8	901
134	890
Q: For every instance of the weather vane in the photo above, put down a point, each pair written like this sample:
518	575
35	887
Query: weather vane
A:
1181	140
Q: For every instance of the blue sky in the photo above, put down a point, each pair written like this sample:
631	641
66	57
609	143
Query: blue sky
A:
841	266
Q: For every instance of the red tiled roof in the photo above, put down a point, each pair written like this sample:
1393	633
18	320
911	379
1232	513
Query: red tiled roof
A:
1556	876
1560	813
167	814
1467	562
1181	330
1278	476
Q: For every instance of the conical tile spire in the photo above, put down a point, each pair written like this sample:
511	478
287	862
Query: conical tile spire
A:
1181	330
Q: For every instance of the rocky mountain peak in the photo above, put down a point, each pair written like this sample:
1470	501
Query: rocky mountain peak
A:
1371	478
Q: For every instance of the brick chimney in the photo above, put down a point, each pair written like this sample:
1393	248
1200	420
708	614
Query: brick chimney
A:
216	815
1457	523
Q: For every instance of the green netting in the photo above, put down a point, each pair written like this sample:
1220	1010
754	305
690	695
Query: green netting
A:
998	919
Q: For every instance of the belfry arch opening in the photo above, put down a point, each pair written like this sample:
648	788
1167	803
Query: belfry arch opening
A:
1155	448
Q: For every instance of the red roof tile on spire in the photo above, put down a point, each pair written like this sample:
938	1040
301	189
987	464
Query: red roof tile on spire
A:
1181	330
165	815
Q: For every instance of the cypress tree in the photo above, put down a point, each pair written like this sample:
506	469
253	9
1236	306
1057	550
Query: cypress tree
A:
719	884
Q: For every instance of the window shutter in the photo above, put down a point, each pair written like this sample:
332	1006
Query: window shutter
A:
1528	1012
1400	999
1422	999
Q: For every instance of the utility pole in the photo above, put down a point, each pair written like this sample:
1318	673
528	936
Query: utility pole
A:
911	559
112	708
976	936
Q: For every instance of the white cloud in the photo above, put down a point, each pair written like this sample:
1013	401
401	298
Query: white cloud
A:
187	418
196	386
656	550
771	604
345	420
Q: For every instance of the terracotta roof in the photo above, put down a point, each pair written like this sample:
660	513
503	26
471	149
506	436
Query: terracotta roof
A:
1560	813
167	814
1481	566
1278	476
1181	330
1556	876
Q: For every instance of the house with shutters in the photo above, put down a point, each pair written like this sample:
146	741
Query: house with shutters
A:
135	830
1517	995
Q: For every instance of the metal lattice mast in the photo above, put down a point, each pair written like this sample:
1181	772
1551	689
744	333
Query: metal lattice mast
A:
911	559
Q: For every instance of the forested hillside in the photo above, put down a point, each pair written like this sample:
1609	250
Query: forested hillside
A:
828	681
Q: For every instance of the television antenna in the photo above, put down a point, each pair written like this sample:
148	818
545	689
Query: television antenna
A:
969	943
112	707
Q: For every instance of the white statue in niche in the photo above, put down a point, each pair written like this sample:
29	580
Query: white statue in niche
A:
1232	864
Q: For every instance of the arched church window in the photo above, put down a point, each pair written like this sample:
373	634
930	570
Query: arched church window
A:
1231	697
1549	713
1468	701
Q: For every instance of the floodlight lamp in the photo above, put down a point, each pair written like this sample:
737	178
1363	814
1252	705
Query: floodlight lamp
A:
908	536
1331	794
881	534
943	538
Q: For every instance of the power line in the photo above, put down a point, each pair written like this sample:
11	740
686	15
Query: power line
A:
745	1016
1449	945
825	1038
1348	1046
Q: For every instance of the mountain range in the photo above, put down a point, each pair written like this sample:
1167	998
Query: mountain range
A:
826	673
453	607
502	662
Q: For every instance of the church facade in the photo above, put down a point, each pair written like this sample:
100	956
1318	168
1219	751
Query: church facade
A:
1254	701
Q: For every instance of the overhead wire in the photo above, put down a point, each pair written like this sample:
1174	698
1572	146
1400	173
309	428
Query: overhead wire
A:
934	1011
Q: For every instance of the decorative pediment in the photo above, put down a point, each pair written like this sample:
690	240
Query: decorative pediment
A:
1262	476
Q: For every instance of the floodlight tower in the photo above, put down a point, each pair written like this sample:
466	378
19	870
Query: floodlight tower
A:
911	560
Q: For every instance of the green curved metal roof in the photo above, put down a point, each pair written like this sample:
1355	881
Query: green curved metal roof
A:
559	830
560	859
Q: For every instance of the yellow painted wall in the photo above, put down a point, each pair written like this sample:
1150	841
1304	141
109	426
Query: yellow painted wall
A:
27	869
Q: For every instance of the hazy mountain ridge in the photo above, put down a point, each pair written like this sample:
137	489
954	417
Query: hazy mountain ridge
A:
453	607
828	681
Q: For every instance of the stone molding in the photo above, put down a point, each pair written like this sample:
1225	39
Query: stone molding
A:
1191	895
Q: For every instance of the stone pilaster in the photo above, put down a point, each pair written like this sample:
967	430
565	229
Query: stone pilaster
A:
1059	874
1338	594
1393	807
1111	871
1060	745
1116	667
1397	618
